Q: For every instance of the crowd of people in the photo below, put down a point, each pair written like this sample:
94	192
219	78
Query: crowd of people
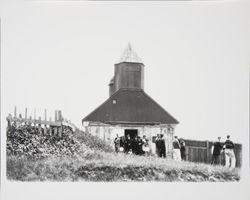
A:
218	148
136	145
140	146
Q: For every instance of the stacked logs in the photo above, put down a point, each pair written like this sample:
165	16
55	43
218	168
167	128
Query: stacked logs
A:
27	140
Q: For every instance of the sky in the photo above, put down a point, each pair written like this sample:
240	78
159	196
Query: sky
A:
61	55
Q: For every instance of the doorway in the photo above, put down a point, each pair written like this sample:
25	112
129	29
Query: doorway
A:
131	132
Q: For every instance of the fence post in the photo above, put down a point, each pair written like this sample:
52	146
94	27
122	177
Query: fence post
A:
55	131
60	131
45	129
187	153
26	111
50	130
55	115
39	125
45	115
59	115
15	111
208	151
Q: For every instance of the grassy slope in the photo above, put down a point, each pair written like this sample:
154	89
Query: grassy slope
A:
98	162
99	166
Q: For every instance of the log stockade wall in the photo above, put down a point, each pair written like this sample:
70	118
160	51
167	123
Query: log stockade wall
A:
50	127
200	151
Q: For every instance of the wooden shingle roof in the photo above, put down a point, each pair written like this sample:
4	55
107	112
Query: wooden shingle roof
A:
130	106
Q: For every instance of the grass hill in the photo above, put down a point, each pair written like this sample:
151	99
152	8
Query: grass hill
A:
80	156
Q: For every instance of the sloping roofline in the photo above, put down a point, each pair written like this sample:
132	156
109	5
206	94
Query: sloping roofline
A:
129	89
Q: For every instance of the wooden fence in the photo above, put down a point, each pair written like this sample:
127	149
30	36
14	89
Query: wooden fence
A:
43	125
200	151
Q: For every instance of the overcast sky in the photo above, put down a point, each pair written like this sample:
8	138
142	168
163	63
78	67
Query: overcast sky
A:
196	56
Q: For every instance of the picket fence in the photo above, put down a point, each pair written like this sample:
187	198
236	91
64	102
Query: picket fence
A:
52	127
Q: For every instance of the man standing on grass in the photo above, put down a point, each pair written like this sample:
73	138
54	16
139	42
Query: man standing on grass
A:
145	146
127	144
176	150
162	147
183	149
117	143
216	151
229	153
157	145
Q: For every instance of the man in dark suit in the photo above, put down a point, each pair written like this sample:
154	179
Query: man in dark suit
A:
216	151
162	147
157	144
127	144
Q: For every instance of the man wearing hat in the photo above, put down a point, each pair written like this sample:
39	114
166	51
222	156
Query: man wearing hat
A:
229	152
216	150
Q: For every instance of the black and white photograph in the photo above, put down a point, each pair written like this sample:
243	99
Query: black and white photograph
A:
125	93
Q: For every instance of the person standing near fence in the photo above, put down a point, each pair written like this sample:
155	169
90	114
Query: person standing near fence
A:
183	149
216	151
229	153
176	150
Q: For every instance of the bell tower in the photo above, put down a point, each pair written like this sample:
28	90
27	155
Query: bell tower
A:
129	72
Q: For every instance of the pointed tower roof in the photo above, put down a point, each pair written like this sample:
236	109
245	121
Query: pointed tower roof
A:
129	55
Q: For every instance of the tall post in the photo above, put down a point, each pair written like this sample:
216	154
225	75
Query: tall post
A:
55	131
59	115
60	131
34	114
26	112
15	111
208	152
45	129
55	115
50	130
45	115
39	125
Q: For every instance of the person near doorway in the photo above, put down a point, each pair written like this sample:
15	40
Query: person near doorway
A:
176	149
216	151
229	153
145	146
162	147
157	147
183	149
127	144
117	143
139	146
134	145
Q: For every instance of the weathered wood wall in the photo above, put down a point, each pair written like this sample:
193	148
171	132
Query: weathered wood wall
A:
200	151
